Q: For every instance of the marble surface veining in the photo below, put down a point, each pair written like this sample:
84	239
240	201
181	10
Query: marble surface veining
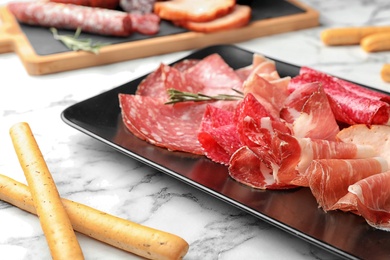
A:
88	171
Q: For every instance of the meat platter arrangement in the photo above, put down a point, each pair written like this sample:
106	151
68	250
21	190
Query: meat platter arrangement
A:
124	30
291	207
312	130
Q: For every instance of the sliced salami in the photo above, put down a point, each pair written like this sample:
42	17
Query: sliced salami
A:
174	127
215	75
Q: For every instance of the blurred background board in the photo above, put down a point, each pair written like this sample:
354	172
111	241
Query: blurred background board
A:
42	54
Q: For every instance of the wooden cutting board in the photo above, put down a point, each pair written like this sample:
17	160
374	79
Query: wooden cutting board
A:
41	54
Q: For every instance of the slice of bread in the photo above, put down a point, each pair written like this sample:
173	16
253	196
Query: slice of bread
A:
193	10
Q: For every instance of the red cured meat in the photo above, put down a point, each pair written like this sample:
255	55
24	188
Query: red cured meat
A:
348	107
185	64
153	84
166	77
68	16
329	179
257	59
137	6
250	109
308	111
297	154
373	199
174	127
216	76
271	96
147	24
248	168
351	87
218	134
110	4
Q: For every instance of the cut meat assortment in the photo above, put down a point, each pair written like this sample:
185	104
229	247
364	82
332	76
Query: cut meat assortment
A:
312	131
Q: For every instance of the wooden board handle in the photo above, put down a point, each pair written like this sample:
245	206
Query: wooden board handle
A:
6	31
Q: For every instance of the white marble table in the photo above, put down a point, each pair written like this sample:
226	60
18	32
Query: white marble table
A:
92	173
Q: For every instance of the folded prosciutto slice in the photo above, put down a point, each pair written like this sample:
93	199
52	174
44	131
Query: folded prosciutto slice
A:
308	111
351	107
329	179
373	199
296	155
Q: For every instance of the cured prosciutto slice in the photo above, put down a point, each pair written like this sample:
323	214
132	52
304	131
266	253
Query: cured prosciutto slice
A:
173	127
373	199
308	111
348	107
271	96
248	168
329	179
298	153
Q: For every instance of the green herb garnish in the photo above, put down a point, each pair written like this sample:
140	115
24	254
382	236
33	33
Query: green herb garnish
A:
176	96
74	43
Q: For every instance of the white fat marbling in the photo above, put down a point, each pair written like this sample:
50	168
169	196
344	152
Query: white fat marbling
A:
90	172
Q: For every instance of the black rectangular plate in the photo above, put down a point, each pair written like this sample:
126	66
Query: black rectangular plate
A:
294	211
43	42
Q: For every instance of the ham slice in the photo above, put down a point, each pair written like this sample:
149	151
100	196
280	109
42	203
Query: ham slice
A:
296	155
329	179
238	17
248	168
195	11
373	199
308	111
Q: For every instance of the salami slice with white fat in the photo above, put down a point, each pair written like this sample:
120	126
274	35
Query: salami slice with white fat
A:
174	127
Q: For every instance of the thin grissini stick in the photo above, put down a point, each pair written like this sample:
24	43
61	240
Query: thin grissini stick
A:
385	72
376	42
118	232
54	220
350	35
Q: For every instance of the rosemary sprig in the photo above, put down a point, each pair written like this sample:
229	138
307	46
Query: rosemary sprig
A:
176	96
76	44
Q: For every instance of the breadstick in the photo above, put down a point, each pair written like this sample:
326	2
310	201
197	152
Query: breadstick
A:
385	72
55	223
376	42
121	233
350	35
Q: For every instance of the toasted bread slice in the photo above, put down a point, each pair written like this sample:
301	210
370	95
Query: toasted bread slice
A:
238	17
193	10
